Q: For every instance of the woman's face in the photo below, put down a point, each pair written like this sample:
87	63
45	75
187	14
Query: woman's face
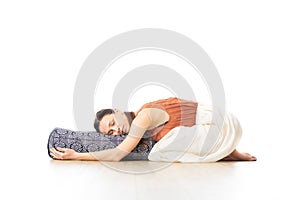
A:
114	124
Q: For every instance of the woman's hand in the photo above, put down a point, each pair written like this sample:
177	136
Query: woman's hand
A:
64	154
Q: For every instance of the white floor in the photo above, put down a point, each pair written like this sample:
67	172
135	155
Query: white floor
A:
94	180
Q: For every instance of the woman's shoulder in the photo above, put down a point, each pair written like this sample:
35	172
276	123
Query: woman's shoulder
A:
152	112
152	116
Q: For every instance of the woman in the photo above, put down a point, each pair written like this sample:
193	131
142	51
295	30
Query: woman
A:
154	119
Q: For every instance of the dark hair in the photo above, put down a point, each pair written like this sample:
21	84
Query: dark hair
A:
99	115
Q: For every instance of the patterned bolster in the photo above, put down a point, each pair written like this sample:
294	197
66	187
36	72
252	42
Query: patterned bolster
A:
91	141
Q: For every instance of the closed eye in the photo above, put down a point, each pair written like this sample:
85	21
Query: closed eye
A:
112	123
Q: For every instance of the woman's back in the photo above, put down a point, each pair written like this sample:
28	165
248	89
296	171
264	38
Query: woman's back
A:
181	113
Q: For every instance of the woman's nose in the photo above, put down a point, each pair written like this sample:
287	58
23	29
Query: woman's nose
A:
116	130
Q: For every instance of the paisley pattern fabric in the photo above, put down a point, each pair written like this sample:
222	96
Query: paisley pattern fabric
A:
91	141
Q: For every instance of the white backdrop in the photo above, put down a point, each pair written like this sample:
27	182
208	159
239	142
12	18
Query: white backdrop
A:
255	46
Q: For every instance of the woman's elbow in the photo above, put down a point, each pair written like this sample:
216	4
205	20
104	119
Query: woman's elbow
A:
116	159
119	155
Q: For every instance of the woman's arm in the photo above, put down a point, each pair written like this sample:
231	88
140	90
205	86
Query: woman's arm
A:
105	155
147	118
69	154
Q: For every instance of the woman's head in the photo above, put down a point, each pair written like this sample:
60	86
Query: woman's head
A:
99	116
112	122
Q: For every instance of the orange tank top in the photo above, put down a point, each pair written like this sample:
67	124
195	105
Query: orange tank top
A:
181	113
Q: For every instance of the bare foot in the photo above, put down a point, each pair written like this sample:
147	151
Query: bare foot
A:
237	156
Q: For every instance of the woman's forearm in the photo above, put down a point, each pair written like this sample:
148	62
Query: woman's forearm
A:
105	155
85	156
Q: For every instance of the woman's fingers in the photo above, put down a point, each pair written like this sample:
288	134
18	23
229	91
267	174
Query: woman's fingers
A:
56	154
53	153
61	149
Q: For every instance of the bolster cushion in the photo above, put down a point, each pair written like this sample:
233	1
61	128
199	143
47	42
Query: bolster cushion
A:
91	141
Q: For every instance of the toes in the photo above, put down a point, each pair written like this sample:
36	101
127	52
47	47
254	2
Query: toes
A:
253	158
